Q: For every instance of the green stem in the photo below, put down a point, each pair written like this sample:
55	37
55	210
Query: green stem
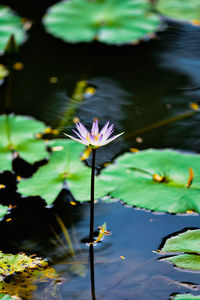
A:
92	195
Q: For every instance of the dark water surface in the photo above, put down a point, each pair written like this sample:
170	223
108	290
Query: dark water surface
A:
135	86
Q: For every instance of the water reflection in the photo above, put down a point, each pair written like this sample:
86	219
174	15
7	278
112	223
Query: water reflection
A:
92	278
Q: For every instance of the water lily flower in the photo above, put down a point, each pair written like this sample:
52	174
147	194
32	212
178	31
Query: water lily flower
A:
94	139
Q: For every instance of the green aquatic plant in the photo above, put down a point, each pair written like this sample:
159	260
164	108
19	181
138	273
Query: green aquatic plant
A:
10	24
185	247
109	21
156	180
185	10
63	170
19	137
185	297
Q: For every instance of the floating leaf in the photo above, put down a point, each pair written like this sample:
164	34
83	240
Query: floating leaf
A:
155	180
5	297
188	10
187	247
10	24
64	165
3	210
10	264
185	297
17	133
109	21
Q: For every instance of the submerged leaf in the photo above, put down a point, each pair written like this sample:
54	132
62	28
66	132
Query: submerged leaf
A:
17	133
64	166
110	21
10	264
187	247
24	284
155	180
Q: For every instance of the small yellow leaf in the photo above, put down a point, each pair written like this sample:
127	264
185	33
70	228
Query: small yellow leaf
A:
194	106
190	211
122	257
19	178
8	220
39	135
133	150
48	130
76	120
53	79
72	203
195	22
191	177
18	66
106	164
2	186
158	178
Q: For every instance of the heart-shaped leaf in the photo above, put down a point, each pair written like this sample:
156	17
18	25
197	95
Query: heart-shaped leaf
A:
18	134
109	21
187	10
155	180
187	247
9	24
64	166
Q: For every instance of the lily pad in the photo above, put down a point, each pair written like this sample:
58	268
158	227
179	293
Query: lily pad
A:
3	210
186	10
187	247
186	297
9	24
5	297
18	134
155	180
64	166
109	21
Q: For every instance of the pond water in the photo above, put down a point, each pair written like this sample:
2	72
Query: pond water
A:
135	86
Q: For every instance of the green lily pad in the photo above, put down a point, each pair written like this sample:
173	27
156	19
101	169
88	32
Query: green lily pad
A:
5	297
187	247
9	24
18	133
185	297
3	211
134	178
187	10
64	165
109	21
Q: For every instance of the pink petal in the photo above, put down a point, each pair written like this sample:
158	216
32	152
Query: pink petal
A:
79	135
103	130
111	139
95	128
77	140
81	128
